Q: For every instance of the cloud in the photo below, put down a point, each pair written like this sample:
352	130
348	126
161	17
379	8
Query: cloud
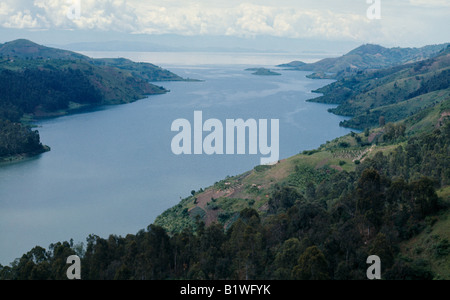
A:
5	9
248	19
430	3
284	18
21	19
105	15
180	17
114	15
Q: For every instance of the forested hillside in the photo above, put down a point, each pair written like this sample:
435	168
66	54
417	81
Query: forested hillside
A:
317	215
324	232
391	94
38	81
17	139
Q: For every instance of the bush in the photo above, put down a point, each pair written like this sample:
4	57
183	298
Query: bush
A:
309	152
442	248
262	168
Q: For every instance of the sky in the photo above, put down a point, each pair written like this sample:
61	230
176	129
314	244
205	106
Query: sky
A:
404	23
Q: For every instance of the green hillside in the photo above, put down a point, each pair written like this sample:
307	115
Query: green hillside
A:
402	151
27	50
145	71
365	57
316	215
392	94
38	81
112	81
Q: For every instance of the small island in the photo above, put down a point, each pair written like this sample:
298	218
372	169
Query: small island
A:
263	72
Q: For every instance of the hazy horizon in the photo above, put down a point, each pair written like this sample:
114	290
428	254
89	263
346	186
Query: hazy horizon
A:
266	26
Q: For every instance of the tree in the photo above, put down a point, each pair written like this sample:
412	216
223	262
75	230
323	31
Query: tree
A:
381	247
312	265
370	199
285	259
211	251
246	246
424	195
283	198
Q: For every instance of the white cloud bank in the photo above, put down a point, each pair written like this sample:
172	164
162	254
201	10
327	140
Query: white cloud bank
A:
327	19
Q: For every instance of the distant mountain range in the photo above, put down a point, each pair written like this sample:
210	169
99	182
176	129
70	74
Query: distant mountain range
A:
151	47
179	43
364	57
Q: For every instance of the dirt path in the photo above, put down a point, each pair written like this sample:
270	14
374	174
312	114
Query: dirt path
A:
363	155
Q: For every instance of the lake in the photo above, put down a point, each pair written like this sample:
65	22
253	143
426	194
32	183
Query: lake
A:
112	170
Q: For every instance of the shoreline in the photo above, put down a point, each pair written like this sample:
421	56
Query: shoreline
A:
25	158
12	159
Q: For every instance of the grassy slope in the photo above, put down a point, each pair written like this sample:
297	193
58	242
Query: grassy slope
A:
430	244
404	109
223	201
394	93
251	189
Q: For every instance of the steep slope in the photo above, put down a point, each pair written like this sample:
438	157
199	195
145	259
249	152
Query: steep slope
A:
38	81
319	197
414	102
47	87
69	79
349	198
391	94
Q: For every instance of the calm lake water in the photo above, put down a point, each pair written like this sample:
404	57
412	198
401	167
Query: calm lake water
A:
112	171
